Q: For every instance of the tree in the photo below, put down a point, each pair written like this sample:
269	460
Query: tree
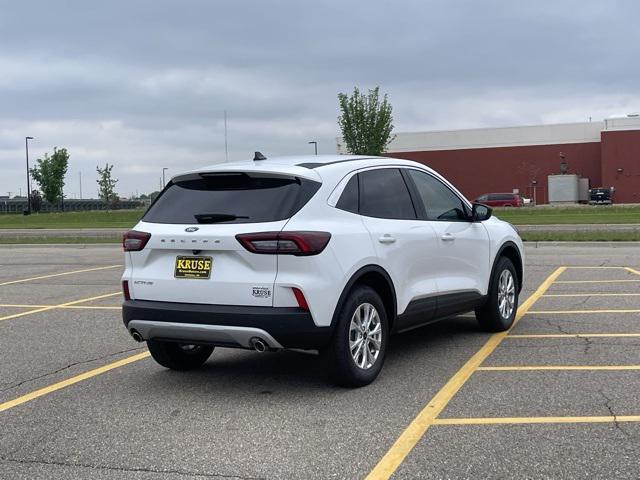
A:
107	184
36	201
365	121
49	172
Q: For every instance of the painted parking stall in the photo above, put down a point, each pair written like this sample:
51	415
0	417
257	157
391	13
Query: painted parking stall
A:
561	378
556	396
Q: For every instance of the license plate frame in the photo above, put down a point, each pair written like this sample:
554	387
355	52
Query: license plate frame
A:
195	271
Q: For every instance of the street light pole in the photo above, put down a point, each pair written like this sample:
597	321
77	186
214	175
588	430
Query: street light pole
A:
226	146
163	170
26	147
315	145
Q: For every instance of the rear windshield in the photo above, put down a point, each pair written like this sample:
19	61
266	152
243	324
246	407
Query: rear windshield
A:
231	198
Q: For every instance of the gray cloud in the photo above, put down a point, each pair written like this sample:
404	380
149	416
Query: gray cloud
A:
143	84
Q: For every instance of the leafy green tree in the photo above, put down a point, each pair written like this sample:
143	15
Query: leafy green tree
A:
366	122
49	172
107	184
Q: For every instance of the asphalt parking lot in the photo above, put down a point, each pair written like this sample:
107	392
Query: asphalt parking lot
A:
556	397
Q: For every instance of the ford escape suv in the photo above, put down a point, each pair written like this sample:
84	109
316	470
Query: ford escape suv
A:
324	253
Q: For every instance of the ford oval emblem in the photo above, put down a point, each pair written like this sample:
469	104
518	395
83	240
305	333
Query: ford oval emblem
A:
191	229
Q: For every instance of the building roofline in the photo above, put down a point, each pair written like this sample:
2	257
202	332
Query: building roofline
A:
505	127
508	136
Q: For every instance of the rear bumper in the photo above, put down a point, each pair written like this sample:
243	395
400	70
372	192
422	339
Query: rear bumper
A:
225	325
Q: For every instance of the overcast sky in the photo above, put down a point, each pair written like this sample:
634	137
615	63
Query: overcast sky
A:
144	84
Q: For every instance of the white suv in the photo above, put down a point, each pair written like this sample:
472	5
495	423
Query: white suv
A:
329	253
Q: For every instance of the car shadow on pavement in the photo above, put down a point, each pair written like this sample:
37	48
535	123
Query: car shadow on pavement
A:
240	370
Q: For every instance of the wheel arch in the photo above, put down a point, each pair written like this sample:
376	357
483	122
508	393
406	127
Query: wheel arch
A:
510	250
377	278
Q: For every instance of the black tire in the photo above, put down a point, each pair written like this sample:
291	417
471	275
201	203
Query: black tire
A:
178	356
344	370
489	315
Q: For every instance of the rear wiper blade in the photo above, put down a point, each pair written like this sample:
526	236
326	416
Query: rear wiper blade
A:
216	217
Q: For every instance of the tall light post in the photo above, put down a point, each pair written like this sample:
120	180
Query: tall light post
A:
26	147
163	170
315	145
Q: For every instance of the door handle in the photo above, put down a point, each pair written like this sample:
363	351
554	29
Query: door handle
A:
386	238
447	237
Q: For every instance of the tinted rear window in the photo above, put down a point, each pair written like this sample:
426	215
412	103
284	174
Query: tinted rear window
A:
218	198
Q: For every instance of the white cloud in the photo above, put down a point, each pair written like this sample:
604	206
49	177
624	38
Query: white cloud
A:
143	85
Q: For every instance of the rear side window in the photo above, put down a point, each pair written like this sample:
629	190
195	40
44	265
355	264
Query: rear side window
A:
231	198
349	198
383	194
501	196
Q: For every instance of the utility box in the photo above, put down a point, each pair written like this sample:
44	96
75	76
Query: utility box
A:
583	190
564	188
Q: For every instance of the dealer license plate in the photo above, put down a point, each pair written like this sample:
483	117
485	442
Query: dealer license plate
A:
193	267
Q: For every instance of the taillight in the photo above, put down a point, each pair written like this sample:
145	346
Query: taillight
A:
302	302
285	243
125	290
133	241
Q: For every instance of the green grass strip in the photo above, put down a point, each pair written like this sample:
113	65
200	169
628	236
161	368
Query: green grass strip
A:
90	219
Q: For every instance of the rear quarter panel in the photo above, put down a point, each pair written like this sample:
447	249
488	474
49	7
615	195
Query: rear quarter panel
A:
322	278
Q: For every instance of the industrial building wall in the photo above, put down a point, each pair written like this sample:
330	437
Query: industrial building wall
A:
621	164
501	169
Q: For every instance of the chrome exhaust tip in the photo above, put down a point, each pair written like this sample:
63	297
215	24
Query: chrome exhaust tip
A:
258	344
136	335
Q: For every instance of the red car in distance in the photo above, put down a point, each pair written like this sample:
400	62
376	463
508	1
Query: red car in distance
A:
501	200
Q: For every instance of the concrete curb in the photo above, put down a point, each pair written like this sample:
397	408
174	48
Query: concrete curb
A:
61	245
604	243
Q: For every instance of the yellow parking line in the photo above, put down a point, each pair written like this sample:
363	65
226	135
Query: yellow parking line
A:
421	423
632	270
79	307
592	295
62	305
596	267
574	335
59	274
71	381
516	368
598	281
517	420
563	312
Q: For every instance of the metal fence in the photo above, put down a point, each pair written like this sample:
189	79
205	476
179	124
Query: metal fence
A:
18	205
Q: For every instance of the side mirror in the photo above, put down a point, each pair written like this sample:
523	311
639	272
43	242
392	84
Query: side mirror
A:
480	212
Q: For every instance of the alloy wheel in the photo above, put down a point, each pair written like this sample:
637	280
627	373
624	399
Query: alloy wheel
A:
365	336
506	294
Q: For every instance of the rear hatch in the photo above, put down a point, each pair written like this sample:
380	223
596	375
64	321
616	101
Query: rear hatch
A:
193	255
